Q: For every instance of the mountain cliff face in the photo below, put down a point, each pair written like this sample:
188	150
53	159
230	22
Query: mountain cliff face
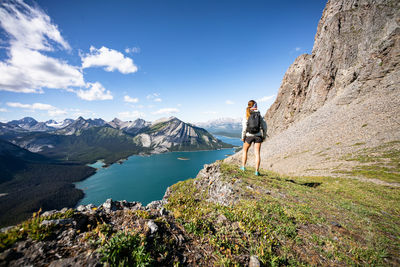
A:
356	52
173	134
342	101
80	124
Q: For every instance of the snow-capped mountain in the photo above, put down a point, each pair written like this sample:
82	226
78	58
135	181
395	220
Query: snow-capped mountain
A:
224	126
59	125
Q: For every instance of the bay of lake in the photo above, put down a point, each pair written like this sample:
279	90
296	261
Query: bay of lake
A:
145	178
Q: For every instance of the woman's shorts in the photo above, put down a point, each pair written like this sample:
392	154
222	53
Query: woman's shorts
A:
255	139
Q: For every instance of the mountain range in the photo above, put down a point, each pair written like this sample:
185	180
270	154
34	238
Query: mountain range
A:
86	140
230	127
39	161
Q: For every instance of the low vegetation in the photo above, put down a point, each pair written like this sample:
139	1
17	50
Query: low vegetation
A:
32	229
382	162
296	221
293	221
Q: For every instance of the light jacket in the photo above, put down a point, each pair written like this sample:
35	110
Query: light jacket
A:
263	128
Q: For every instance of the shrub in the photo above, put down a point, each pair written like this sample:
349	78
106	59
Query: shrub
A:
125	249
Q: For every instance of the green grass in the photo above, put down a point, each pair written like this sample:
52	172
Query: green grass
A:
303	221
125	249
382	162
31	228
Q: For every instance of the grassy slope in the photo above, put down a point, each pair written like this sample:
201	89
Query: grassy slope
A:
283	220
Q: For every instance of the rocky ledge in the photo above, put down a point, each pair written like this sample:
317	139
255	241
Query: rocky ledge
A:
74	237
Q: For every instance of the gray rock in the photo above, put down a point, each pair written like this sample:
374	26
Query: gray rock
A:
57	222
5	229
254	262
163	211
49	213
81	208
152	226
155	204
109	205
221	219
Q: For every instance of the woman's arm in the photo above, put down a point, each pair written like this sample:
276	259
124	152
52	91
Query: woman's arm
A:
244	128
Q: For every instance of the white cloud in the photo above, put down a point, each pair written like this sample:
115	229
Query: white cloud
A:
52	111
166	111
210	112
3	110
298	48
96	92
82	113
39	106
229	102
110	59
130	99
155	97
265	98
26	70
29	27
132	50
130	115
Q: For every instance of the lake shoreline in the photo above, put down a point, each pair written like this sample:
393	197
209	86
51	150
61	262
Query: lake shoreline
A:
147	155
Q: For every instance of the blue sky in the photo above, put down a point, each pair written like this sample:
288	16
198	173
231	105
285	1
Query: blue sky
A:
196	60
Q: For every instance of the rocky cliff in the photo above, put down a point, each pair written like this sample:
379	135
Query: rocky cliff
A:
343	100
356	52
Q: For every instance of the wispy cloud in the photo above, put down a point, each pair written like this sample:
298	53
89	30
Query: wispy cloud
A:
131	99
132	50
51	110
108	58
229	102
265	98
130	115
210	112
27	70
95	92
155	97
166	111
297	48
3	110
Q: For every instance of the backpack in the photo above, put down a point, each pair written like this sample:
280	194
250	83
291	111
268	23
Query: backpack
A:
254	123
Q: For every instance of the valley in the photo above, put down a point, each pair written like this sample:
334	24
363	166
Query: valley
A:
40	161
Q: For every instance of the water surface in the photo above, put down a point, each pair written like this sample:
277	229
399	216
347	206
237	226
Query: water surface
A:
145	178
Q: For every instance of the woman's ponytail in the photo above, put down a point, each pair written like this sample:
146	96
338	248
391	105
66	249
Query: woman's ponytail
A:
250	104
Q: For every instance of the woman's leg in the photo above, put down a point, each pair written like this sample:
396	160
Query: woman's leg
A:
257	147
244	155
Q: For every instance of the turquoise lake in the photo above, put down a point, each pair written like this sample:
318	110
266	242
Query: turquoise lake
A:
145	178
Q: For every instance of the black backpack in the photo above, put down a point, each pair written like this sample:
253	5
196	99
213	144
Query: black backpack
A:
254	123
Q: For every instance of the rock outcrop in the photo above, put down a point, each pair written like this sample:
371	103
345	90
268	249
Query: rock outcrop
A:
356	52
342	99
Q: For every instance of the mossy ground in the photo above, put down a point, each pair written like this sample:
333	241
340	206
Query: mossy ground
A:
293	221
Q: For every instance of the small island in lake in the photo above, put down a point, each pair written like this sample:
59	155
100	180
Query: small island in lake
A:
180	158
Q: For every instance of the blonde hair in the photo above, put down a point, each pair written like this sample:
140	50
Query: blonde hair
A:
249	106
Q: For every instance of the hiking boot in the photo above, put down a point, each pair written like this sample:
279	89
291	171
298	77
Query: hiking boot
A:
256	173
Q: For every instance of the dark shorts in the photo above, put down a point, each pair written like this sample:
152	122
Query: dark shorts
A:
255	139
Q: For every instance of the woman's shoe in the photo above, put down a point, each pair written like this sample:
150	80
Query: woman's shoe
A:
257	173
242	168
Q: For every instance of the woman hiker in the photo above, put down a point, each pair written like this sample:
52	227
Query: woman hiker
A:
254	130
